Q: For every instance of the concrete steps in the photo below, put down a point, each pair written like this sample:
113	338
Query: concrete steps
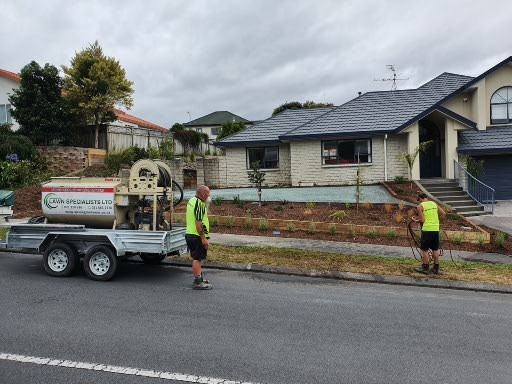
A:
450	193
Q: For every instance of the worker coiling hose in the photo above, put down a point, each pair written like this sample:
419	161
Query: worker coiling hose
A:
415	242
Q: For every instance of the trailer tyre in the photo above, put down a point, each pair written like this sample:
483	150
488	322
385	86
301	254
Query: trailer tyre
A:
60	260
151	258
100	263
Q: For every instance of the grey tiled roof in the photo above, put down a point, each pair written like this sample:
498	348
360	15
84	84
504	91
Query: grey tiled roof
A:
216	118
494	140
270	129
379	112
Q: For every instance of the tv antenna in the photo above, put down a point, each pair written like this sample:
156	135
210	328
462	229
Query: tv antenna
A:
394	79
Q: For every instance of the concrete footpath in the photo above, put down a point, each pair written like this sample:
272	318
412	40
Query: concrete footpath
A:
349	248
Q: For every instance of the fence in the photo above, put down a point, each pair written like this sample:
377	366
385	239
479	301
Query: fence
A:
116	138
480	192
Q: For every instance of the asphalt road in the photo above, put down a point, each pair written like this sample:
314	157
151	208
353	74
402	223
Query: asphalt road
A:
251	327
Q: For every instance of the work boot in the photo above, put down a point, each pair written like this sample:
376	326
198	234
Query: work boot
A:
423	269
201	284
435	270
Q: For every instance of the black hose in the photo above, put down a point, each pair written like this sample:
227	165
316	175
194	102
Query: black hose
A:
415	243
174	204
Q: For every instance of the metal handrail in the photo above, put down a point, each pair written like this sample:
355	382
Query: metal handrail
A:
480	192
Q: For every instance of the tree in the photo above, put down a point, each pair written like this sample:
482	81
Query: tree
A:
256	177
297	105
410	157
95	84
43	114
230	128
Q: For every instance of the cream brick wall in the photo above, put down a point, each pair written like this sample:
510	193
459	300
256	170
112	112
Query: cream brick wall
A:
235	171
307	169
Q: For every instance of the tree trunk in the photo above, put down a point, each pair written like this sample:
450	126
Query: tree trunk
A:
96	131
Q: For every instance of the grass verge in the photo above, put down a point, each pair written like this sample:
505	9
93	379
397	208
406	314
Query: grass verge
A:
3	232
308	260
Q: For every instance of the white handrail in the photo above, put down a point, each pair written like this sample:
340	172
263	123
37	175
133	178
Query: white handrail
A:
480	192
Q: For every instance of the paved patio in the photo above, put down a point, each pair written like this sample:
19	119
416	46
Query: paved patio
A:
346	194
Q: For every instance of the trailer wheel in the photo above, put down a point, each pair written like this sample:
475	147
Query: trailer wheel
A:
151	258
100	263
60	260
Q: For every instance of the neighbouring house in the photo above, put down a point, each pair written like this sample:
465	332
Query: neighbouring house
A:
8	81
126	131
459	114
211	124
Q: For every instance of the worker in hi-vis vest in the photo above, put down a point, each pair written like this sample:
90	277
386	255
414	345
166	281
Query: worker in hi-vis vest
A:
198	233
429	218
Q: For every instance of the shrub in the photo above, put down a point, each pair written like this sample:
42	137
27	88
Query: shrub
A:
401	206
388	208
332	229
128	156
454	217
238	202
312	228
263	225
214	222
391	234
367	205
372	232
458	238
399	190
153	153
22	173
399	218
217	201
481	241
308	212
278	208
230	222
284	202
310	205
19	145
400	180
179	219
348	205
290	227
500	239
352	230
411	212
339	215
248	222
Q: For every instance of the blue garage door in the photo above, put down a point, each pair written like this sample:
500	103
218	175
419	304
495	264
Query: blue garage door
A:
498	175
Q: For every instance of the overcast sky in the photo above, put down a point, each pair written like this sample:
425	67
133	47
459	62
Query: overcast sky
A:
248	57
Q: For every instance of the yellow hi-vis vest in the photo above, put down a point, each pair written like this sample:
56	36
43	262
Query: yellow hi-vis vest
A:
431	223
196	211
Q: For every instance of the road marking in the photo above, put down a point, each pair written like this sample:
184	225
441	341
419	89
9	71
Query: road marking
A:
119	370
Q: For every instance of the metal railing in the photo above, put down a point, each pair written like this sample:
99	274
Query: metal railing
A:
480	192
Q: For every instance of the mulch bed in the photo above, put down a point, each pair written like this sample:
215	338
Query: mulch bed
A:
374	215
407	191
28	202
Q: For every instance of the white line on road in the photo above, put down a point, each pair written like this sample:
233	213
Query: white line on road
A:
119	370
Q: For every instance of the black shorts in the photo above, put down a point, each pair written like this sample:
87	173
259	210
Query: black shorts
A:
429	240
196	248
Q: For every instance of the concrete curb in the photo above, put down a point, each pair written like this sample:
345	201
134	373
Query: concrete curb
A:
359	277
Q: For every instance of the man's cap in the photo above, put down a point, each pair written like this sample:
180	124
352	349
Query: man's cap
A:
422	196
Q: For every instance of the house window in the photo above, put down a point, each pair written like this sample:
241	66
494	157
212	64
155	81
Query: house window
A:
216	131
501	106
5	113
268	157
346	152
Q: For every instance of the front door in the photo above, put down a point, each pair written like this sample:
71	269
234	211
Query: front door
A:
430	159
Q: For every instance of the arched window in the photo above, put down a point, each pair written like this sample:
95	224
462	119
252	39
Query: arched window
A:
501	106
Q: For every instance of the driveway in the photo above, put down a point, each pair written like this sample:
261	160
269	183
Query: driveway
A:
500	220
345	194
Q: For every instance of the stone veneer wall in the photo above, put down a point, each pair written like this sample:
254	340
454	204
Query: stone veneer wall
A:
307	168
235	171
63	160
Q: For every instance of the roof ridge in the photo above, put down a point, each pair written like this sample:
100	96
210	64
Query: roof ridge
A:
10	75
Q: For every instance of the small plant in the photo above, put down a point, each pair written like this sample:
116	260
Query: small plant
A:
284	202
214	222
481	241
217	201
278	208
500	239
332	229
458	238
263	225
312	228
310	205
352	230
399	218
230	222
454	217
372	232
238	202
308	212
348	205
391	234
411	212
400	180
401	206
290	227
339	215
399	190
367	205
388	208
447	209
248	221
178	219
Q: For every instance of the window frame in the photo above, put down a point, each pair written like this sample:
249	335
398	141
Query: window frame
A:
7	110
248	164
368	140
508	105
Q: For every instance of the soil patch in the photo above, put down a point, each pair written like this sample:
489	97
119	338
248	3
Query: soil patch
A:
28	202
407	191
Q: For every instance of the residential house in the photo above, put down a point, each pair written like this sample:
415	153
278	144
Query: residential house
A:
211	124
8	82
458	113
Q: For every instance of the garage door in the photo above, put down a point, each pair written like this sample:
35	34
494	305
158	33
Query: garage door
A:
498	175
